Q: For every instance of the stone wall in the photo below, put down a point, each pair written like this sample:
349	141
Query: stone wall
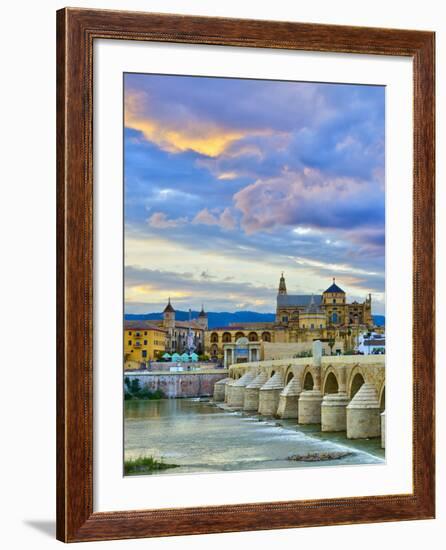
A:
179	384
279	350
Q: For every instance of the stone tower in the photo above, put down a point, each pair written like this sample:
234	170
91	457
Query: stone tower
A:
203	319
282	285
169	316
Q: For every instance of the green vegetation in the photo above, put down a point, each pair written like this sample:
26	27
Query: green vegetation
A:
145	465
133	390
308	353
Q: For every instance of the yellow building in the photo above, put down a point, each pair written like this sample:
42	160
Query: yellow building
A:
218	338
142	342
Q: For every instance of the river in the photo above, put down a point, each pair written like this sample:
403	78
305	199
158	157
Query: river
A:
201	437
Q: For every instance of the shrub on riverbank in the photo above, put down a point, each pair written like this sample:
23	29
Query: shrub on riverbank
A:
145	465
133	390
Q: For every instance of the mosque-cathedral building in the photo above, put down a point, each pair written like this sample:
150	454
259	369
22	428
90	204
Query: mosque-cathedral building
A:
300	319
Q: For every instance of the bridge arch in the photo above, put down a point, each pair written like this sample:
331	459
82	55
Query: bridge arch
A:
357	379
289	376
331	384
307	379
382	398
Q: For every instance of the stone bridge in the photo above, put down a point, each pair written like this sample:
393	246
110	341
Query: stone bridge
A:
342	393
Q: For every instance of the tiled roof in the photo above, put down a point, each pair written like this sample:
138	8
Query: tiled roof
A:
291	300
141	325
334	288
188	324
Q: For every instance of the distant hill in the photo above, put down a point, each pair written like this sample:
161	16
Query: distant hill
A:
224	318
215	319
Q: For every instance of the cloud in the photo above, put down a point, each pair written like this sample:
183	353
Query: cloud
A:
237	177
161	221
309	198
205	217
154	286
225	219
188	132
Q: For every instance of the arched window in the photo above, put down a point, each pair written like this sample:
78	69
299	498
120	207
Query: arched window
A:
214	337
227	337
334	318
252	337
266	336
239	335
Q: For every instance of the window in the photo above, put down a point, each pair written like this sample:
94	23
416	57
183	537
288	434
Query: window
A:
130	332
145	333
144	353
285	319
312	326
145	342
334	300
129	342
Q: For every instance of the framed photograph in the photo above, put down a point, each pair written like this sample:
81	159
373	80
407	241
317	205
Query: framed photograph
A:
245	275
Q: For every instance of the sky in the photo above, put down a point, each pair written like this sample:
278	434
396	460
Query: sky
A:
230	182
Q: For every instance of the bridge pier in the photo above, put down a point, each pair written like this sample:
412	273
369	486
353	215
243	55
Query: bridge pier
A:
333	412
219	389
269	395
237	394
383	429
252	390
309	408
363	414
228	389
289	400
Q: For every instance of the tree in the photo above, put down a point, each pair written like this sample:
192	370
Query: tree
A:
135	386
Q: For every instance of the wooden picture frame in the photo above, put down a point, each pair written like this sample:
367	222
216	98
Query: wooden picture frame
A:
76	31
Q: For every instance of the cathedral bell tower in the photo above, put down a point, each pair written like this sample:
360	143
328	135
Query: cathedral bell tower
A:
282	285
203	319
169	316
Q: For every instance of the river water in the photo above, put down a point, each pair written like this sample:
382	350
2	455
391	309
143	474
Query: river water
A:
201	437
